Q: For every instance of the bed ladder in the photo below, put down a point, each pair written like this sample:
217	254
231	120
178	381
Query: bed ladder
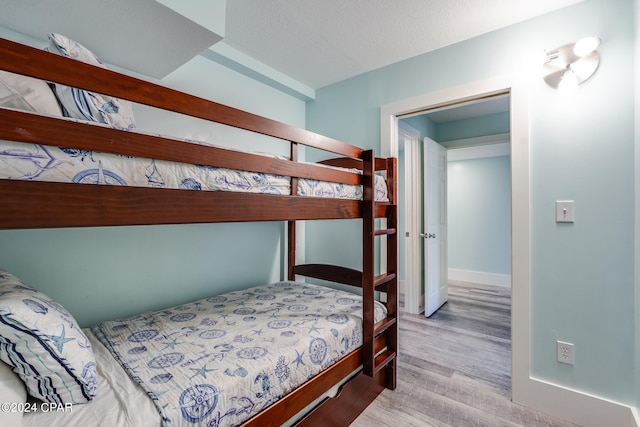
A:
380	343
380	340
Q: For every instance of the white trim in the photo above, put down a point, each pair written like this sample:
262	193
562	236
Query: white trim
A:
635	422
581	408
496	138
480	277
636	11
479	152
401	286
520	244
520	268
413	213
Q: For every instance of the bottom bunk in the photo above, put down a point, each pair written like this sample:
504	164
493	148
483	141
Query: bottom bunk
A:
280	354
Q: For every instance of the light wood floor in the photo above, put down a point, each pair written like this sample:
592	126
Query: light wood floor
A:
454	367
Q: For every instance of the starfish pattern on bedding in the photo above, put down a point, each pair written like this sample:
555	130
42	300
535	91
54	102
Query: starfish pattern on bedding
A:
298	360
201	371
60	340
313	328
171	344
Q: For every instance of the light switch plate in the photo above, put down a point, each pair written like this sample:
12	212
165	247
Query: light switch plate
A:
564	211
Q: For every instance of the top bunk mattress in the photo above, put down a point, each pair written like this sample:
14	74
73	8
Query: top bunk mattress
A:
37	162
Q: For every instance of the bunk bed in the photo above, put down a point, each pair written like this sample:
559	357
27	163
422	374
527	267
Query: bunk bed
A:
359	375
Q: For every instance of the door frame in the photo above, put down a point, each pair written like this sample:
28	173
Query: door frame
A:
520	235
413	296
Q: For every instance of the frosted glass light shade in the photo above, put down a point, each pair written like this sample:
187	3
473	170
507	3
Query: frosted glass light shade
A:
560	61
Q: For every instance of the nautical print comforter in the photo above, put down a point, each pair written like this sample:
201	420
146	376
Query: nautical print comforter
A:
221	360
46	163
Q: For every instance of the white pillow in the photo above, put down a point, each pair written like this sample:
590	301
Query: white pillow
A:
84	104
44	345
26	93
13	396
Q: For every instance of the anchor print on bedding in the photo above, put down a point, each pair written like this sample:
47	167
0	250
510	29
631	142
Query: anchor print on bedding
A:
221	360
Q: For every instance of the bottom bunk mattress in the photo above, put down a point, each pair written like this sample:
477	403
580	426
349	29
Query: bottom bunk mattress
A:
221	360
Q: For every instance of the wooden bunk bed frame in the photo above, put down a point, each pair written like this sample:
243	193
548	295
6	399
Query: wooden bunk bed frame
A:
28	204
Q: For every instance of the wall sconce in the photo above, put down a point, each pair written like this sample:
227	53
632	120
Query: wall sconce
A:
568	66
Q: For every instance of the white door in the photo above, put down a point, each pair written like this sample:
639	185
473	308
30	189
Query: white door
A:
434	235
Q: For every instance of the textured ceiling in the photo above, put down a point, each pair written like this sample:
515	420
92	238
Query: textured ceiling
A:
322	42
313	42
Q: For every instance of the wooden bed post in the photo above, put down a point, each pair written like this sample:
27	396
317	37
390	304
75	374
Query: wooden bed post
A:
291	225
378	359
368	262
392	266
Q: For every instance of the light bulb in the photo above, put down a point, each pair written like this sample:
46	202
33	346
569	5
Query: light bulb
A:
585	46
568	82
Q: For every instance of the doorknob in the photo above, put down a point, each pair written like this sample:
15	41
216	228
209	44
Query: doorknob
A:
428	235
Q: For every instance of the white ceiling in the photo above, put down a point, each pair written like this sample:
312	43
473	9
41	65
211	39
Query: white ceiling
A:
320	42
140	35
313	42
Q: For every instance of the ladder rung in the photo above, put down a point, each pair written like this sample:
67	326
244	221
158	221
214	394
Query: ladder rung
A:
383	278
382	360
385	231
383	325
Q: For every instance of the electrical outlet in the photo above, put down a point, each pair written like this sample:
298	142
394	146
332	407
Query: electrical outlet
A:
565	352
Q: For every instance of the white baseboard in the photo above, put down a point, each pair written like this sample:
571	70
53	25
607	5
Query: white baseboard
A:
577	407
480	277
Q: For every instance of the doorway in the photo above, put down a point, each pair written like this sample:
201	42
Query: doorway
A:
454	166
478	91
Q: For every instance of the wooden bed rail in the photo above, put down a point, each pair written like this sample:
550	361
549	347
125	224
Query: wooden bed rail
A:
347	162
88	136
84	205
343	275
21	59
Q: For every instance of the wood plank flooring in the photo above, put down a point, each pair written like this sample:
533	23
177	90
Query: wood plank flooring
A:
454	367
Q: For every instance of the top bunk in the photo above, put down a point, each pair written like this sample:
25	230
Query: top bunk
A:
30	200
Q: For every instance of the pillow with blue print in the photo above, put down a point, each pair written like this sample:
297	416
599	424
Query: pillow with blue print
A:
44	345
83	104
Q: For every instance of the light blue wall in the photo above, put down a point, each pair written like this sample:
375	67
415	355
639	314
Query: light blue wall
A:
103	273
582	148
489	124
479	214
423	124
